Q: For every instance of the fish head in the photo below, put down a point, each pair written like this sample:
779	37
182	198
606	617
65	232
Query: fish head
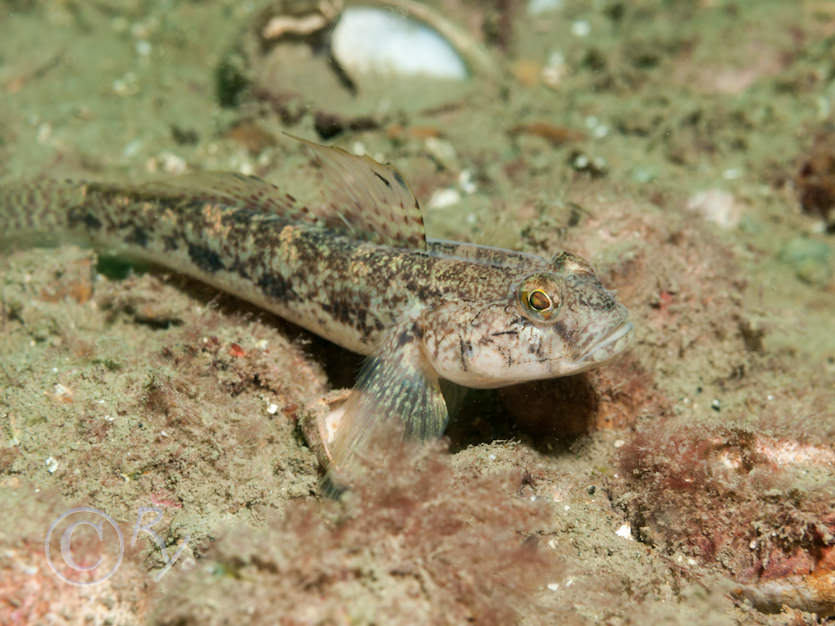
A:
553	322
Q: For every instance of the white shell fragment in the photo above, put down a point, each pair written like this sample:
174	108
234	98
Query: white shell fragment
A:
717	206
624	531
378	41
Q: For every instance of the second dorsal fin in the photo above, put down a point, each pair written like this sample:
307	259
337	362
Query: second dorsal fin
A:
241	190
367	199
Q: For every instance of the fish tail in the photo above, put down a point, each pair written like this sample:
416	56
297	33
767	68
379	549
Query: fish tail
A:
45	211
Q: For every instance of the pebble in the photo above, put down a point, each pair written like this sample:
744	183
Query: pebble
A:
809	259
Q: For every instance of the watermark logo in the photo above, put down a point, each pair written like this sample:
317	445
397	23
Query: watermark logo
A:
85	546
84	566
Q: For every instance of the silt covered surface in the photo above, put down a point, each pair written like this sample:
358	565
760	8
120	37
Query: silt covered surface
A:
684	148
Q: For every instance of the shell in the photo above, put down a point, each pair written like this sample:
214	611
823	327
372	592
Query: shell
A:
299	57
369	40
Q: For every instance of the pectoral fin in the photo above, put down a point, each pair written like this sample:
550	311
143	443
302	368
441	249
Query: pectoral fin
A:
397	395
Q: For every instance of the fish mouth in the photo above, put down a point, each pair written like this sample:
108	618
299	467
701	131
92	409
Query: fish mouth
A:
610	346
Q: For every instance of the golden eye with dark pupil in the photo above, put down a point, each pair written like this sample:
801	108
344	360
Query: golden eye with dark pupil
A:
538	300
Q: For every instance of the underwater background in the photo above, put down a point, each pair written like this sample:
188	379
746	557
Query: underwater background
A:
686	148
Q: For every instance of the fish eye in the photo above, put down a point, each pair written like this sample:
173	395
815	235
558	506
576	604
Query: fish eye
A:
539	300
539	297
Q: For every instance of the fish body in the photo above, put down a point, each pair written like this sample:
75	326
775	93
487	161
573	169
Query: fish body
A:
357	270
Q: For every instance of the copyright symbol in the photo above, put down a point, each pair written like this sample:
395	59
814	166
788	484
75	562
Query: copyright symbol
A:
84	546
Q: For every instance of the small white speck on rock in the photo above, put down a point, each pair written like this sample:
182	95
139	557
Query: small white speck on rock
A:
443	198
717	206
580	28
624	531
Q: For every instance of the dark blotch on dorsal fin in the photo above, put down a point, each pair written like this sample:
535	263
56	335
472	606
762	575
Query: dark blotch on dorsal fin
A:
366	199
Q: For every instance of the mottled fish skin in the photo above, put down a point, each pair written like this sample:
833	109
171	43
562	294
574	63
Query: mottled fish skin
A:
357	270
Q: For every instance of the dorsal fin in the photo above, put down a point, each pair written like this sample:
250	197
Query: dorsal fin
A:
367	199
364	199
225	188
248	192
